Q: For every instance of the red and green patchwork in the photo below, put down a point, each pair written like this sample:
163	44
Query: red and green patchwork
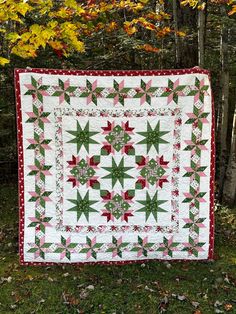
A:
115	166
118	139
83	171
152	172
117	206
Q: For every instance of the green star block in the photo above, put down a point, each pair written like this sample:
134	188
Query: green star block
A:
151	206
82	137
153	137
82	206
117	172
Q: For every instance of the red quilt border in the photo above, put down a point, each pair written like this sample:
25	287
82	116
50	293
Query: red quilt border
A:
17	73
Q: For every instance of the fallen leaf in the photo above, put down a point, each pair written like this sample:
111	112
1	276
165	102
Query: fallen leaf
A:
13	306
168	265
228	307
163	305
217	303
149	289
65	274
84	294
29	277
195	304
69	299
181	297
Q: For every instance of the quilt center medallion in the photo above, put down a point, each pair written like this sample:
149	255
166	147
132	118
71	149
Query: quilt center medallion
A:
117	171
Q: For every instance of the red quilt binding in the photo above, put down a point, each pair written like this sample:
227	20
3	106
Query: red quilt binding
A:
17	73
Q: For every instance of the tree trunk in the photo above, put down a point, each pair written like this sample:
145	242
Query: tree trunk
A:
223	129
177	43
229	193
201	36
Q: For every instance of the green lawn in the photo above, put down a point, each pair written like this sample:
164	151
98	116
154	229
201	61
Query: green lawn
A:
153	287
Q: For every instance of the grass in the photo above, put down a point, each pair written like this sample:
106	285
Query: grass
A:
153	287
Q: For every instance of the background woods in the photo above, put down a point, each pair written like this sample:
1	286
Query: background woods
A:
128	34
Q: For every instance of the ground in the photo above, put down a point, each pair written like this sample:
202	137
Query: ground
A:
153	287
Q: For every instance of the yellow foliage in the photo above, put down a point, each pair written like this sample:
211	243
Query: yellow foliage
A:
10	10
24	51
52	24
192	3
13	37
25	37
78	45
70	4
104	7
129	28
181	34
23	8
63	26
3	61
43	6
69	33
201	6
64	13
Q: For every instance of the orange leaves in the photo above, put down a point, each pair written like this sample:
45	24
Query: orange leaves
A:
129	28
111	26
200	5
56	45
162	32
64	13
132	26
158	16
146	24
63	25
233	10
148	48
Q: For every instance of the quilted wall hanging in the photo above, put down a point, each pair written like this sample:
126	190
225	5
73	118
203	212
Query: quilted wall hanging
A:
115	166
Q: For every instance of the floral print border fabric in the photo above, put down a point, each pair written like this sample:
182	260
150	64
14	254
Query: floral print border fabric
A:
115	166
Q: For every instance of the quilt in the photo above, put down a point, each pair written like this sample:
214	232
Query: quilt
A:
115	166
